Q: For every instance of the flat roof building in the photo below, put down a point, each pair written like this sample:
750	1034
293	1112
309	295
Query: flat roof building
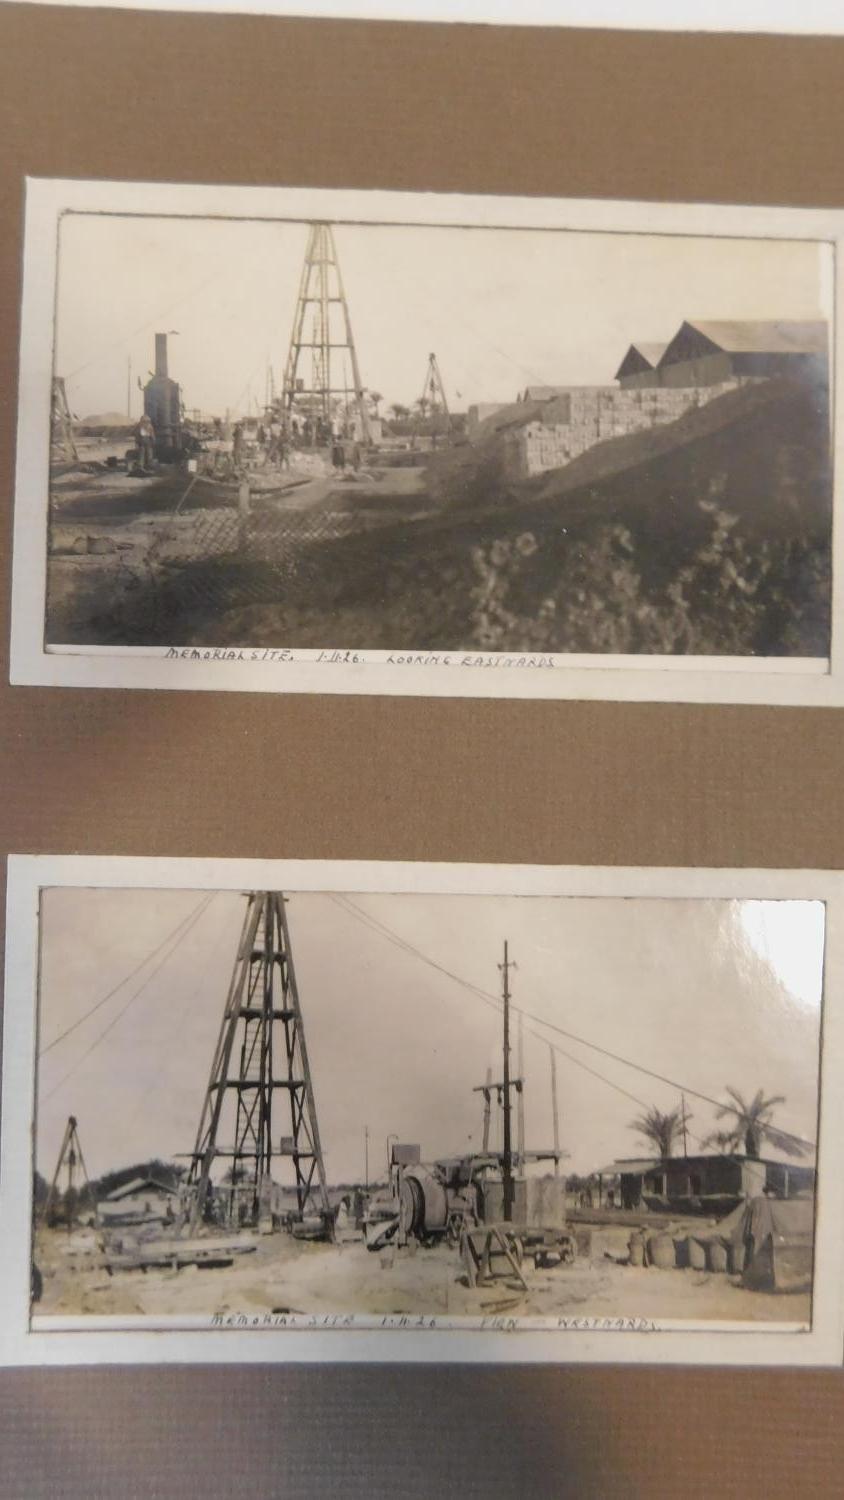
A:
706	1184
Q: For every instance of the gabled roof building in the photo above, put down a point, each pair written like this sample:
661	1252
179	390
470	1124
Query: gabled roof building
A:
639	365
707	352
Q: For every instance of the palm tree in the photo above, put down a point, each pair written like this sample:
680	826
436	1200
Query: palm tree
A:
751	1125
658	1129
375	398
724	1142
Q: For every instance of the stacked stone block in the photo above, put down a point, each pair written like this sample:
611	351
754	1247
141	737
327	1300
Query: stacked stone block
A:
585	415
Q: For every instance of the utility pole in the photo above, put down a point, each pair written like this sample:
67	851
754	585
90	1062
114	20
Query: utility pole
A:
554	1110
503	1090
366	1155
487	1093
520	1108
129	387
683	1119
507	1163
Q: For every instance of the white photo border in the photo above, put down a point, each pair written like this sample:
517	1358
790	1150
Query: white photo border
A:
635	678
356	1339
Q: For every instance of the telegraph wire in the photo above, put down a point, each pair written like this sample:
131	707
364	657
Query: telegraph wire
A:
184	1010
489	998
195	916
158	317
80	1020
492	1001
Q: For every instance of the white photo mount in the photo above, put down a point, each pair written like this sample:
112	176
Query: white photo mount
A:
246	1335
793	681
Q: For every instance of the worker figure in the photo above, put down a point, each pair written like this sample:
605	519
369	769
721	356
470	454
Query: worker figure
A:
274	447
145	440
338	454
237	444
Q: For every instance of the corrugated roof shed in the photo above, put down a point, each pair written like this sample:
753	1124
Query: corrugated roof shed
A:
138	1185
641	356
651	352
763	337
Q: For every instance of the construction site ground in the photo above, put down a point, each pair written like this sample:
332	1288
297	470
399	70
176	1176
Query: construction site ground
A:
287	1275
115	536
708	536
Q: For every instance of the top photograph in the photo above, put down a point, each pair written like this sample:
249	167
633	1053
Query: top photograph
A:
329	441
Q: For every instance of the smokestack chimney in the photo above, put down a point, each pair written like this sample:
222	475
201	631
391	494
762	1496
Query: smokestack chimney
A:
161	354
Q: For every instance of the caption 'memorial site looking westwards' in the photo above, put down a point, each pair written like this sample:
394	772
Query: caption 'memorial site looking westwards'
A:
265	1108
394	437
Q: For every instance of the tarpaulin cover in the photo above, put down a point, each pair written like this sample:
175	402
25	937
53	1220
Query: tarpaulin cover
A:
788	1218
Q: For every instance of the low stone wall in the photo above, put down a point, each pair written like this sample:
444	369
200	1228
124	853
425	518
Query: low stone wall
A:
588	415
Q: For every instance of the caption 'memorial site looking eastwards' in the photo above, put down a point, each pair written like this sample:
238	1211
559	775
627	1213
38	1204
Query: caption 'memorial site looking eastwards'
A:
339	436
285	1106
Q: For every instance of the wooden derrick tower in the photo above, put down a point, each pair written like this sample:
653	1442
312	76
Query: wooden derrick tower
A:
260	1083
433	402
322	345
70	1163
62	441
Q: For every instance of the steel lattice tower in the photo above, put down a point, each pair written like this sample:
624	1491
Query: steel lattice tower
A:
259	1077
320	290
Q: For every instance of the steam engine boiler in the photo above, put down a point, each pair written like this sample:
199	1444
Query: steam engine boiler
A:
163	406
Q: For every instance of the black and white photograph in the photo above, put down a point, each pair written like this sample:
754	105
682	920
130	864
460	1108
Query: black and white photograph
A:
281	1108
431	446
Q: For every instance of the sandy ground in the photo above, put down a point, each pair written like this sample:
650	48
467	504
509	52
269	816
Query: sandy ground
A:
285	1275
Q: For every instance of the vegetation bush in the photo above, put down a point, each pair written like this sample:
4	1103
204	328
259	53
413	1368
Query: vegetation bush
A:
726	597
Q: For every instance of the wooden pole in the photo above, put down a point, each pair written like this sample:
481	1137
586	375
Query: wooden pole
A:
554	1109
507	1163
520	1108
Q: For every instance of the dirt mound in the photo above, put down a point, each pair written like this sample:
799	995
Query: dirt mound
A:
783	425
714	541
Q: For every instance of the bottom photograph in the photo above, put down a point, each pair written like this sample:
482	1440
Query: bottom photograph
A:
419	1108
